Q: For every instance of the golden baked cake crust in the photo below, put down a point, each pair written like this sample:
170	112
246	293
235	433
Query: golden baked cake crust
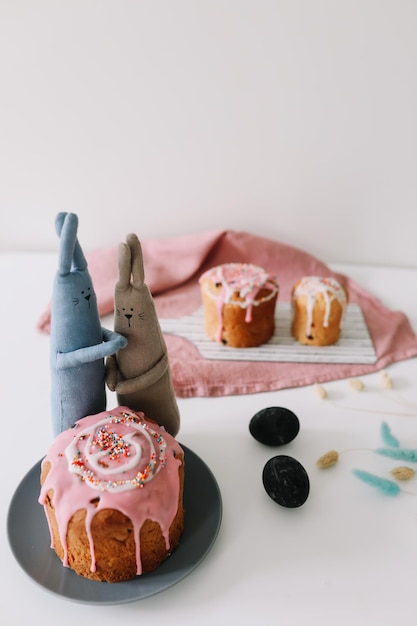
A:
319	305
114	543
239	301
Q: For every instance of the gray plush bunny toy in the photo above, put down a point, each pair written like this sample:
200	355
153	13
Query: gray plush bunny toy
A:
140	373
78	344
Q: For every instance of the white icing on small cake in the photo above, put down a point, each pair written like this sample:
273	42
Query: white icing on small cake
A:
329	288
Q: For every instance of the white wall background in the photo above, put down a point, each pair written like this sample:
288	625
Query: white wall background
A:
294	119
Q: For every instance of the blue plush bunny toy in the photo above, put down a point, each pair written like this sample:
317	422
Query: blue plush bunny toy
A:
79	344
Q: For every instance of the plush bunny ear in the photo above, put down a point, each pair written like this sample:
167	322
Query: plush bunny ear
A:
66	225
125	266
79	260
70	253
59	221
138	273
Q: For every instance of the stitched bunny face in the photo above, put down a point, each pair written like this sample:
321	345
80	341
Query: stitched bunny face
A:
135	315
78	342
140	373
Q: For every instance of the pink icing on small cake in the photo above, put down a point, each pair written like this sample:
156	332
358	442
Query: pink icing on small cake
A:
113	460
241	285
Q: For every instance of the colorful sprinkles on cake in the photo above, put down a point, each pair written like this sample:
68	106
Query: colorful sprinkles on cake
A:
121	453
112	443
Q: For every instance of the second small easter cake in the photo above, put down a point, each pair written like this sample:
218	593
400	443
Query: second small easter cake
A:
319	304
239	302
112	490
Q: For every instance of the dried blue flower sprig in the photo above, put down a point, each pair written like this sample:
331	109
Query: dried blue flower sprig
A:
387	437
403	454
386	486
393	451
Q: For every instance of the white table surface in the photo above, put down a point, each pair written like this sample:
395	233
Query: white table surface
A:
347	556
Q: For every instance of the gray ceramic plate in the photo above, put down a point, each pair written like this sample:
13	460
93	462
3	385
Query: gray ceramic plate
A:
30	541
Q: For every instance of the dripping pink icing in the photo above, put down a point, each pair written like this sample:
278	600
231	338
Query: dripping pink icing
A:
140	477
243	278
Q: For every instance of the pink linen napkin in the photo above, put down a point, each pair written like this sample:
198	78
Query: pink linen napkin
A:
172	269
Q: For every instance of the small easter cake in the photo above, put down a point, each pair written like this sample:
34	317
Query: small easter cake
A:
318	307
112	491
239	302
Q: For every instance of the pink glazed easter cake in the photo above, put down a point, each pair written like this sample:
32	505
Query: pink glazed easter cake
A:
112	490
239	302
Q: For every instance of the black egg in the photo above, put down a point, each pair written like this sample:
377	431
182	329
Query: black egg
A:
274	426
286	481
